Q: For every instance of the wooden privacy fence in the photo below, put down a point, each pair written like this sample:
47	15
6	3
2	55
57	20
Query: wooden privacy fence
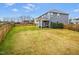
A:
4	29
74	27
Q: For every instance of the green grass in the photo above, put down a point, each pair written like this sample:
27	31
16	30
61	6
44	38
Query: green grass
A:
6	45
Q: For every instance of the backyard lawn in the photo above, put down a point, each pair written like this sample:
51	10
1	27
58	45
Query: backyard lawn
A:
32	40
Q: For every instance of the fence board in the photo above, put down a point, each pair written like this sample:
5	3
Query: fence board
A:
4	29
74	27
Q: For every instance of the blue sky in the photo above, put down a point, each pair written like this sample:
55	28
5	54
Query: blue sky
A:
36	9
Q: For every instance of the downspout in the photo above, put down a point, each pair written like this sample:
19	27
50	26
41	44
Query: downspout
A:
49	20
41	23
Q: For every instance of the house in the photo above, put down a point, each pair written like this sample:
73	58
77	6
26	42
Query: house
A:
52	16
27	22
74	21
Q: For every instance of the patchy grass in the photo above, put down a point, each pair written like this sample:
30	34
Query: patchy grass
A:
6	45
32	40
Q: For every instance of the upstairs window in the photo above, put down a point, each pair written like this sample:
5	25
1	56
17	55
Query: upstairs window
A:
58	14
51	14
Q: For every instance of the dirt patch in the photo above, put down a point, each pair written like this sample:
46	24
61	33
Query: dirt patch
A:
49	41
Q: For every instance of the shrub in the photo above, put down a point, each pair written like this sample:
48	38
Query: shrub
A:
57	25
60	25
53	25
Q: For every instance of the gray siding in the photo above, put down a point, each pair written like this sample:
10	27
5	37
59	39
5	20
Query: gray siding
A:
62	18
54	17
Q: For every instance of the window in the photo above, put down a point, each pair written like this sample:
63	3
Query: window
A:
51	14
58	14
45	16
48	14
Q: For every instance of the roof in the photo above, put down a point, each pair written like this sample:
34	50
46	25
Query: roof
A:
55	11
77	19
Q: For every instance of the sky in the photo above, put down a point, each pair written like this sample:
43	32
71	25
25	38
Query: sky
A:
36	9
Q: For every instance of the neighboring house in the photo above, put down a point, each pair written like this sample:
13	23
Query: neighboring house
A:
52	16
74	21
27	22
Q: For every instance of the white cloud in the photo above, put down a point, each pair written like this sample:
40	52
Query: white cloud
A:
15	10
76	10
29	7
9	4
